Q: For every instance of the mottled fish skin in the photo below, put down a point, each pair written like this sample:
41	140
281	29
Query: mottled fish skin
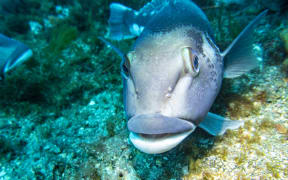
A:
174	71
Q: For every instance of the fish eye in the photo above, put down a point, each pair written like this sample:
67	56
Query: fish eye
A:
125	68
196	63
190	61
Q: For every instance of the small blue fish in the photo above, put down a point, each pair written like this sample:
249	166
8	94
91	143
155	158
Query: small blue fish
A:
12	53
174	71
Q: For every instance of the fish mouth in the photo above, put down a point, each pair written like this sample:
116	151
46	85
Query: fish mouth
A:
155	133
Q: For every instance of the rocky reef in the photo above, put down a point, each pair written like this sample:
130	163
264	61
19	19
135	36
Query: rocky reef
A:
61	112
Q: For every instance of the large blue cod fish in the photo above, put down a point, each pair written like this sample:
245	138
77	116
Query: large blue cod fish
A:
174	71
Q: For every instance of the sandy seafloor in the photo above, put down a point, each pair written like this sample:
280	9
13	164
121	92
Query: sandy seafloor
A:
61	113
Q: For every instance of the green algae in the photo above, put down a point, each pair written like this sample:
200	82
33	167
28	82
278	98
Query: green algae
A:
61	37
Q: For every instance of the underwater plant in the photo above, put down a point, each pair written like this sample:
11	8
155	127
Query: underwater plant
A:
61	37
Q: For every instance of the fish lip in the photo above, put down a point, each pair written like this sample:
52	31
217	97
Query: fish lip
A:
158	124
154	137
151	144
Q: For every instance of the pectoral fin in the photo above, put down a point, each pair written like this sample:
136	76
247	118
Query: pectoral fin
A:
217	125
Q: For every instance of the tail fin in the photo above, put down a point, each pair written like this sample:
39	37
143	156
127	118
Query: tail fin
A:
121	22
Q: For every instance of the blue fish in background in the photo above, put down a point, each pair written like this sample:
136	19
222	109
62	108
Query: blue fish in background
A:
174	71
12	53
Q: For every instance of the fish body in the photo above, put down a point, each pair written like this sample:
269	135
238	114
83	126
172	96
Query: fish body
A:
12	53
174	71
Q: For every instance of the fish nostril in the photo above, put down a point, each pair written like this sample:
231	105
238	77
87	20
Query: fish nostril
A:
137	93
169	92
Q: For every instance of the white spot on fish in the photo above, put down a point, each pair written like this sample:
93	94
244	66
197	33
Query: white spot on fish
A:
152	13
144	14
168	95
135	27
169	89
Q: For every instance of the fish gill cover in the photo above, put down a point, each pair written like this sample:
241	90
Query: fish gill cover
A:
62	116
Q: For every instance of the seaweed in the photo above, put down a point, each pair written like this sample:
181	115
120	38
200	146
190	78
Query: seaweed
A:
61	37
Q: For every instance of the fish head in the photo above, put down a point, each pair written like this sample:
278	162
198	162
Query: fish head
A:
171	80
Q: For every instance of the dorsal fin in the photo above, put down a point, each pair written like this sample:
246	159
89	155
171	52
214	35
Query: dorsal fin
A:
125	23
154	5
239	57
